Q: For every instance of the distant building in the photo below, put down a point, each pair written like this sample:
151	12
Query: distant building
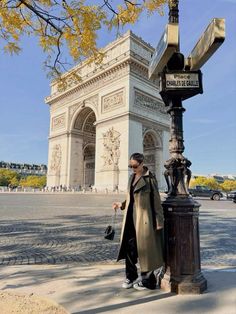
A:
229	177
25	169
219	178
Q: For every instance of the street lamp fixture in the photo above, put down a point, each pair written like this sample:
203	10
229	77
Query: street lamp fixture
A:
181	79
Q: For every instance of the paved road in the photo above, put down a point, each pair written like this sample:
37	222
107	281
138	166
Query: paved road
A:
69	228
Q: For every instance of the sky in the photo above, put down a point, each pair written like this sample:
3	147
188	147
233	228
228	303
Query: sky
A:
209	119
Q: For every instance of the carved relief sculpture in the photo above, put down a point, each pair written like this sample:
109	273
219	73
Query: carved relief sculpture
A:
56	159
113	101
59	122
149	103
111	143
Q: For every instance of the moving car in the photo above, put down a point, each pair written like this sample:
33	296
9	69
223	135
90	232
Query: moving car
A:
232	195
204	191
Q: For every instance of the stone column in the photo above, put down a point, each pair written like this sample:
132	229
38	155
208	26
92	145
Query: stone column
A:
75	161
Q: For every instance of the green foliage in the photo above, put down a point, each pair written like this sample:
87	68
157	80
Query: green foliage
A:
33	181
197	181
210	182
14	179
9	177
228	185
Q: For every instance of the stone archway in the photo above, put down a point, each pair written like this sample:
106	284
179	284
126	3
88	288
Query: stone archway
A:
85	132
149	150
152	153
89	165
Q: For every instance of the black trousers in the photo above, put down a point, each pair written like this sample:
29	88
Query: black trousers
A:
148	277
131	259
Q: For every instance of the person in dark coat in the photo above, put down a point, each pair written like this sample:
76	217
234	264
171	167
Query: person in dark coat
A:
141	235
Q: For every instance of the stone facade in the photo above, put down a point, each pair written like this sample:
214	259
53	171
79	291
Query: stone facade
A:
99	121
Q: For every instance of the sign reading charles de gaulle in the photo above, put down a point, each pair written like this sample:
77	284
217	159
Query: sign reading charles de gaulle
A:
184	83
182	80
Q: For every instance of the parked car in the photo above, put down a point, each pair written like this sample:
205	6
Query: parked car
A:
204	191
232	195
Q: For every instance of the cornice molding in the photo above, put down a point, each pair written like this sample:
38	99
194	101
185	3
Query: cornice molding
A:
149	122
58	135
99	78
117	53
117	116
149	103
130	66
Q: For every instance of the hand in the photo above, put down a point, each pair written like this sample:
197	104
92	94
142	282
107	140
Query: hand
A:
116	205
159	227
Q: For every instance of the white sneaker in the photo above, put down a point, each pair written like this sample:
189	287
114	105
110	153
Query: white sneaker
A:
127	284
139	286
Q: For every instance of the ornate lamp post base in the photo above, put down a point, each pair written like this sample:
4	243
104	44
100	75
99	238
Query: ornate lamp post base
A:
186	286
182	251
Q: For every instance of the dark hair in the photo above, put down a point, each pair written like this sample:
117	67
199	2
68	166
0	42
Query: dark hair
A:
138	157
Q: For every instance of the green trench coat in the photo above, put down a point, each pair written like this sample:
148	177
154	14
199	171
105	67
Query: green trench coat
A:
149	240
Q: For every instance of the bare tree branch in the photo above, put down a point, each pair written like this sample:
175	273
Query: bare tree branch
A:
31	8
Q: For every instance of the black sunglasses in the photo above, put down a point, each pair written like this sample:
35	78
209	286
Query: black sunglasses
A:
134	166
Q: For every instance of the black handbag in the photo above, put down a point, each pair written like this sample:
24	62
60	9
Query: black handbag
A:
109	233
110	229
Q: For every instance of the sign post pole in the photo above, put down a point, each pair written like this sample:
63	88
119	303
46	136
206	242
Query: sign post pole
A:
182	246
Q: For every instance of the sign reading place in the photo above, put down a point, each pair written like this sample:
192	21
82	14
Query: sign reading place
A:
183	83
182	80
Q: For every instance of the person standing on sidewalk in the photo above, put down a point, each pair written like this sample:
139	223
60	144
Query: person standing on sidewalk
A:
141	235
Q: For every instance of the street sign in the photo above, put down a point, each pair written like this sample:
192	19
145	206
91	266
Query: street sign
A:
182	80
167	45
184	84
208	43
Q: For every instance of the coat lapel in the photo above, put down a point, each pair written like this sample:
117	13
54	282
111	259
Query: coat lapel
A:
140	184
130	180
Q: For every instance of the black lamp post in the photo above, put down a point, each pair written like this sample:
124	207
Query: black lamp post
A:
182	246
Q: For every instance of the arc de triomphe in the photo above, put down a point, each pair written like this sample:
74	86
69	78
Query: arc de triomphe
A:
99	121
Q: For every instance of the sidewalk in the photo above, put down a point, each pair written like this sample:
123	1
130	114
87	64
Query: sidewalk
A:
96	288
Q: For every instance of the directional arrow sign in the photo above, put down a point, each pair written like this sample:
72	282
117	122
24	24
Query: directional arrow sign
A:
167	45
208	43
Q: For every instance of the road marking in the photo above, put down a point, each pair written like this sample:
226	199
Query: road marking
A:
227	270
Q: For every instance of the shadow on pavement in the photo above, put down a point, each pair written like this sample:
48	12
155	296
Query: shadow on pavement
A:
113	307
68	239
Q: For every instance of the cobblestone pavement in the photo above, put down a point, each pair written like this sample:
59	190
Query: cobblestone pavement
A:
69	228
